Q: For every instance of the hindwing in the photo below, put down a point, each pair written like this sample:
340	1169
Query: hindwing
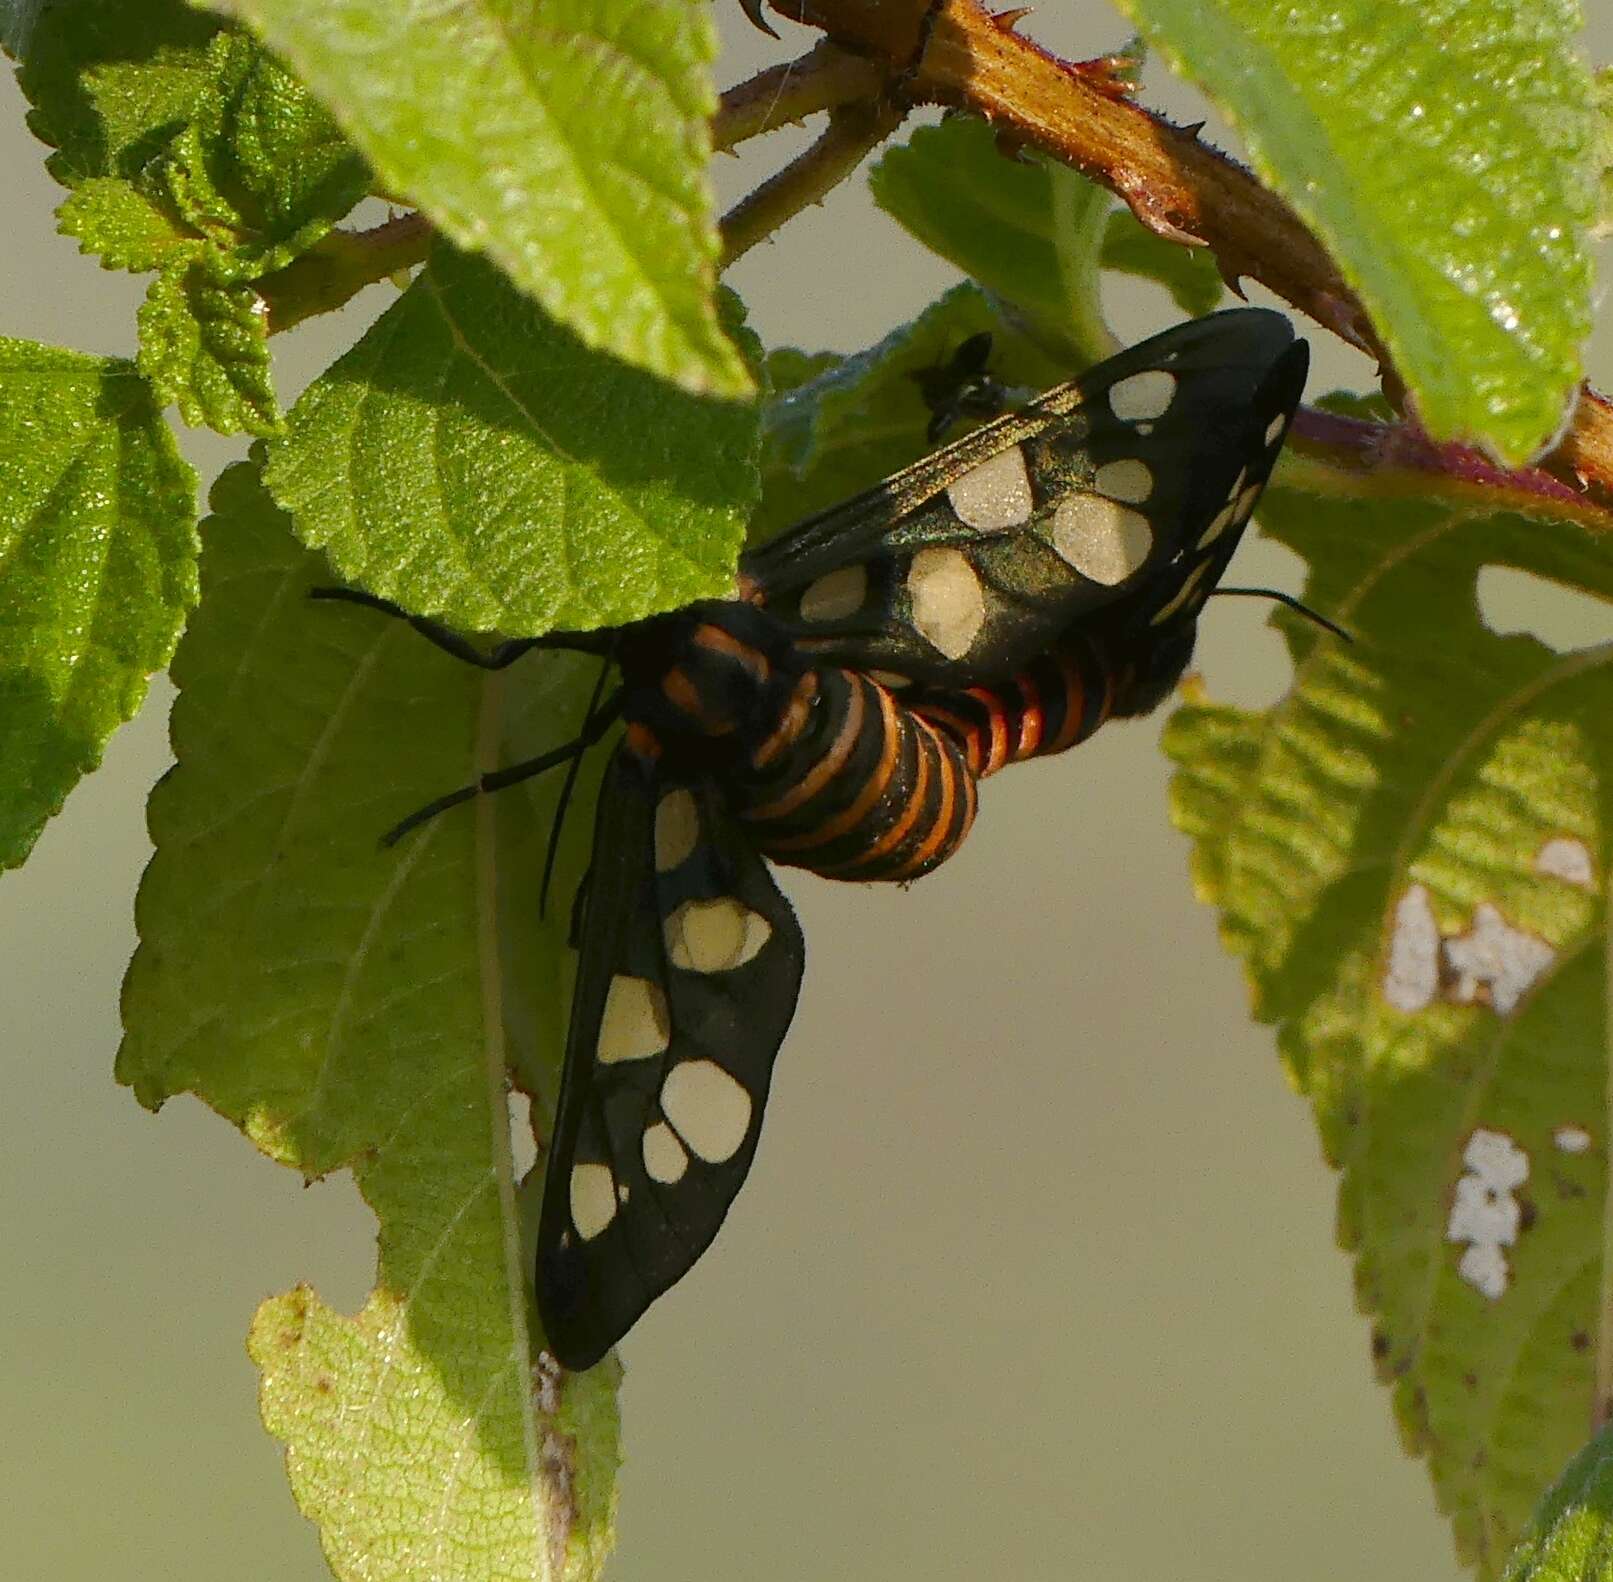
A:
1118	497
689	964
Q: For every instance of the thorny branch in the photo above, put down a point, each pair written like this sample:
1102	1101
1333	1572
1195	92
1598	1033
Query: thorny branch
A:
956	53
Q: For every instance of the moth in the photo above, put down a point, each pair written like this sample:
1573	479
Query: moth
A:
997	600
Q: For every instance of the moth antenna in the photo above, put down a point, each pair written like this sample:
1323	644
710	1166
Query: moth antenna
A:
1290	602
573	769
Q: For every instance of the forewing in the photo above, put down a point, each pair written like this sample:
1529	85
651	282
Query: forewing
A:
690	962
1122	492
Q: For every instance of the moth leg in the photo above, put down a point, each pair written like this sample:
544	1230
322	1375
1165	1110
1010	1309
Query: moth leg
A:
512	774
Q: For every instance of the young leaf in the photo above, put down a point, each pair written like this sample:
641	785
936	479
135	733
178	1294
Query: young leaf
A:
1464	233
1410	855
865	416
1024	228
193	152
345	1006
470	457
204	347
1570	1535
568	142
98	536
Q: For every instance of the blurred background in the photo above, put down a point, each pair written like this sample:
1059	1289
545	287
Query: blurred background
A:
1035	1275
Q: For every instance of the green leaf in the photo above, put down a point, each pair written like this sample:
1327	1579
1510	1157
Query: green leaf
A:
1030	230
1191	276
193	152
1604	152
568	142
1441	150
205	347
98	540
470	458
1570	1536
863	417
346	1005
1410	854
178	134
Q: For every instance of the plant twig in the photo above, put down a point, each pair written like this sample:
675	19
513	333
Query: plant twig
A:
823	79
1392	460
955	53
338	266
853	130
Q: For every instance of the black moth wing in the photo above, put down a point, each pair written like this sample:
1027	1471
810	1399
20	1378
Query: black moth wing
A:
690	963
1122	492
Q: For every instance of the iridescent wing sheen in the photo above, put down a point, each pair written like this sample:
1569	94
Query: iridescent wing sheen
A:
1117	498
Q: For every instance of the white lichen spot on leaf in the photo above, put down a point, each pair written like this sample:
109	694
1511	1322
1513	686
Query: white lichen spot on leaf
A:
1412	976
1494	962
1572	1139
1563	857
1485	1213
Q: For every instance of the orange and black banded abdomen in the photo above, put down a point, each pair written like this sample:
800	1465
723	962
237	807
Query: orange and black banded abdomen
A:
852	784
1060	698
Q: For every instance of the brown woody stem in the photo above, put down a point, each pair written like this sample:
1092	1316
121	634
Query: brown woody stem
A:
823	79
956	53
853	130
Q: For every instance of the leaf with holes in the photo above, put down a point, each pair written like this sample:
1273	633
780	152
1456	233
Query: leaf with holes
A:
1410	854
346	1006
1027	228
466	459
191	151
1463	232
98	536
569	144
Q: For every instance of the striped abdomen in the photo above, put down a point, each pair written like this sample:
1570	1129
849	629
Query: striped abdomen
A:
1060	698
854	785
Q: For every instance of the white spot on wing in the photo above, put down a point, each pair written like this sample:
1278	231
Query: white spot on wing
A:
1565	858
1572	1139
949	606
1274	429
835	595
714	936
709	1108
677	828
664	1157
1188	591
1129	480
1411	978
635	1024
1219	523
1142	396
1494	961
1103	541
1246	502
1484	1212
994	495
593	1199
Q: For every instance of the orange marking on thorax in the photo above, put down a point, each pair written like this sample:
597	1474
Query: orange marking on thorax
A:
718	641
643	742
